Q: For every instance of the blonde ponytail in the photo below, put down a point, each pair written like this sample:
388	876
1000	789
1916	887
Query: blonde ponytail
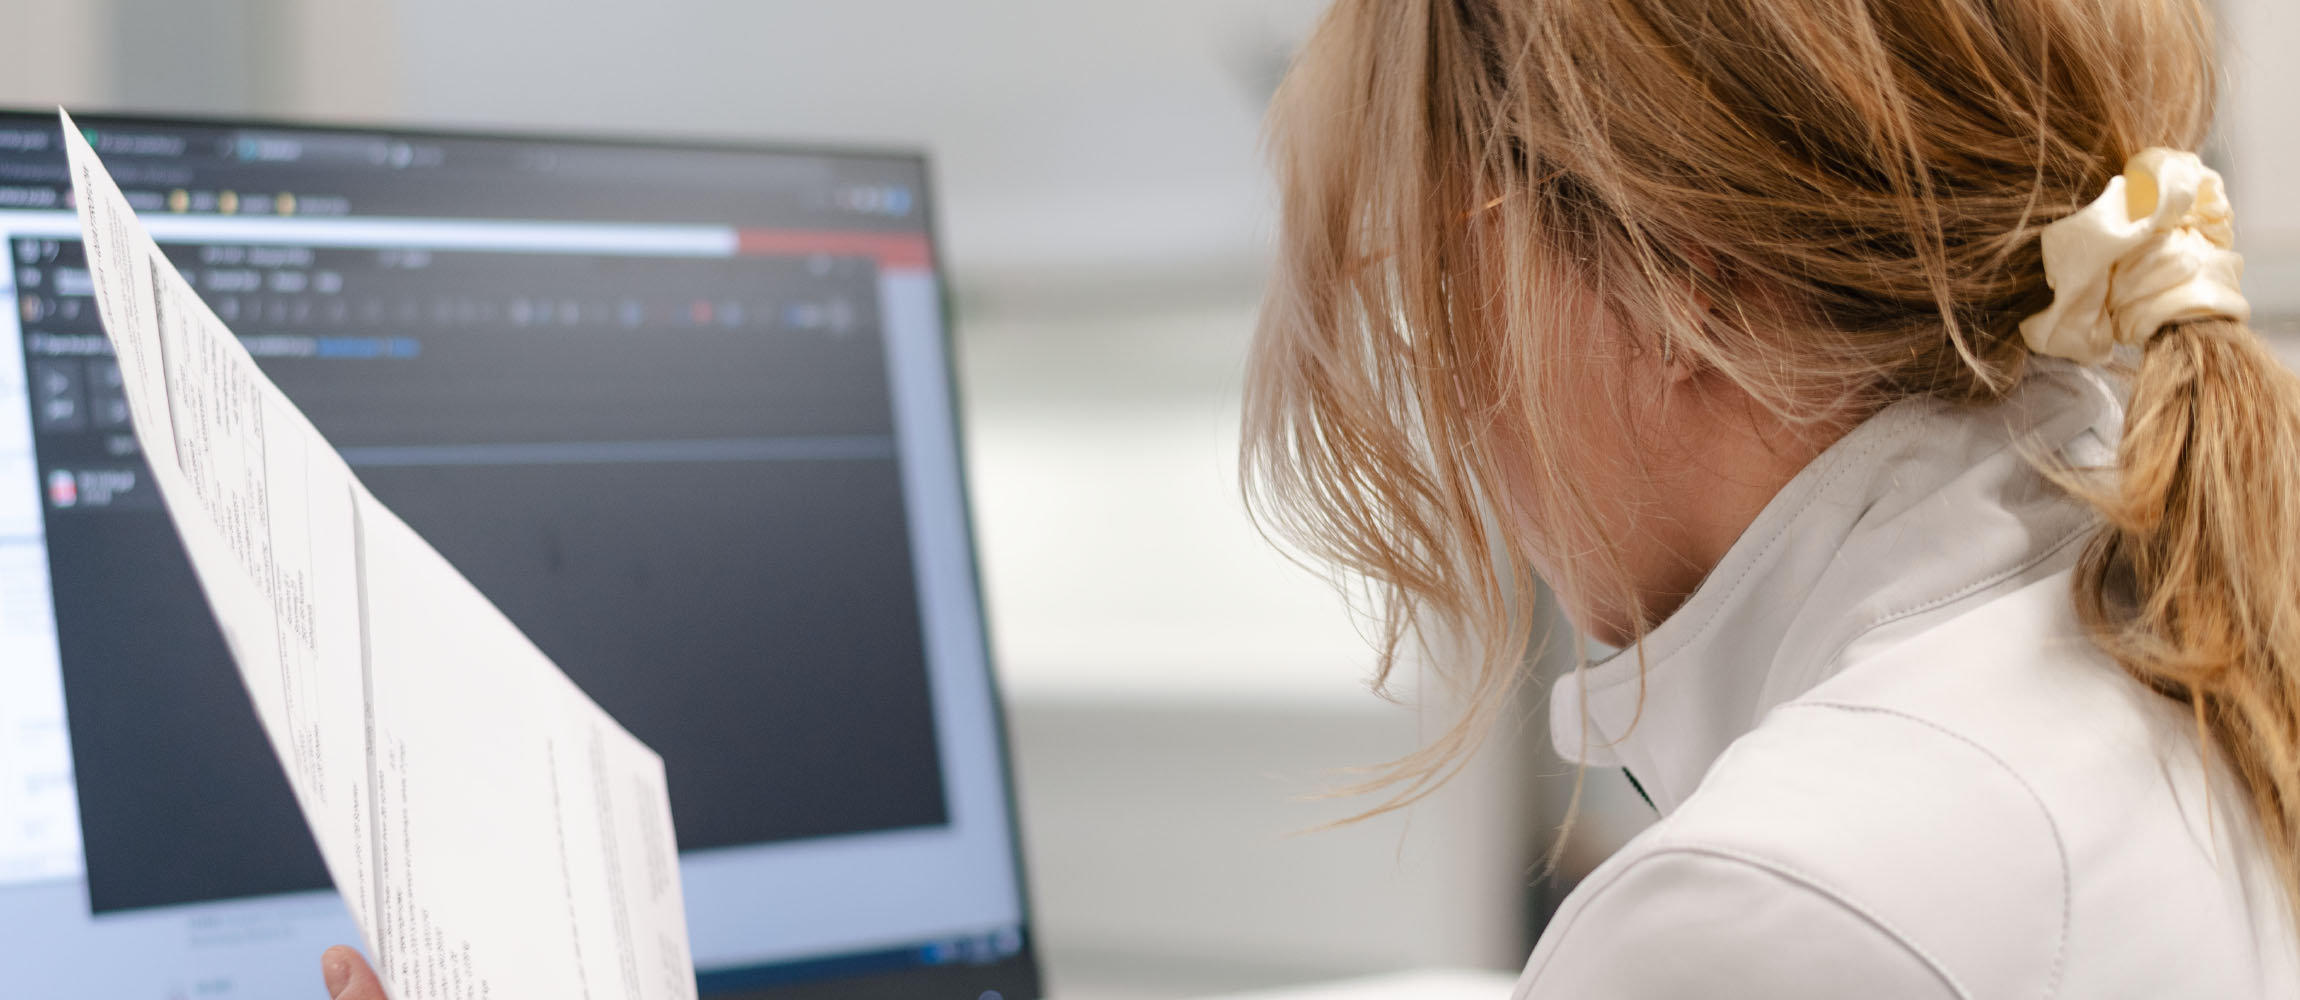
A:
2193	584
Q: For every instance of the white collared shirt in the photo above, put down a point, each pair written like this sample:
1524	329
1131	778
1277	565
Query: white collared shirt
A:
1889	763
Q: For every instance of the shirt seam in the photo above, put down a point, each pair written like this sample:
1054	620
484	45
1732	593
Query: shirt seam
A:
1968	589
2052	826
1789	874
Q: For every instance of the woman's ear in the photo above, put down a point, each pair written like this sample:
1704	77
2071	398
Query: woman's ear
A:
1677	364
1696	309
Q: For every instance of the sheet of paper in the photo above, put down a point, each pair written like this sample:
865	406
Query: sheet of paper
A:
493	832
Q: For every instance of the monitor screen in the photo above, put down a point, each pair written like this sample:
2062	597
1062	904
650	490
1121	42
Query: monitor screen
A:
683	412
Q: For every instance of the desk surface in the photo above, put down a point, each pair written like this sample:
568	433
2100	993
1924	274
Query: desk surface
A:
1434	984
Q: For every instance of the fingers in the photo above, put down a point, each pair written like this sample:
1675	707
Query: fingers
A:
347	975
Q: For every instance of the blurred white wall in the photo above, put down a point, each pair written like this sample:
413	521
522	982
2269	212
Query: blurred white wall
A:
1176	685
62	54
2260	129
1104	451
2259	125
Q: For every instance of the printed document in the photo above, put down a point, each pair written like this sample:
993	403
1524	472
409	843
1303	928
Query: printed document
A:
493	832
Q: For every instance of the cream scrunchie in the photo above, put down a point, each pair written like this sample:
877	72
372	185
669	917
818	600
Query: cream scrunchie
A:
2152	249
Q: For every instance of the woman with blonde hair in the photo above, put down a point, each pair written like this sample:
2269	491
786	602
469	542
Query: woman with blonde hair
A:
1875	374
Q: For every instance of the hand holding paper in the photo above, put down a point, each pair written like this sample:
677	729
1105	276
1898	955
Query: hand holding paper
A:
493	832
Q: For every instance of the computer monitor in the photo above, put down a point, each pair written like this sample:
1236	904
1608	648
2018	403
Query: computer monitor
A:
683	411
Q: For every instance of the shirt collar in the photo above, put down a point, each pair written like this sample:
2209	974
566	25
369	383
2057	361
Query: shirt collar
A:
1925	505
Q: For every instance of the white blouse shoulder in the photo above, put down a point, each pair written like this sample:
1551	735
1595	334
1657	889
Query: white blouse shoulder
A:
1913	776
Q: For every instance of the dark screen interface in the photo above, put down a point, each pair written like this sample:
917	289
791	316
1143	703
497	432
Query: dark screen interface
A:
640	397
